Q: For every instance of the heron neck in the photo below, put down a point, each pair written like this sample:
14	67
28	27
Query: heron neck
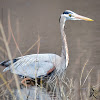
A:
64	53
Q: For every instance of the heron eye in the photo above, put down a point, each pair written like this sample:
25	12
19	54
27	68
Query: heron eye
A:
70	15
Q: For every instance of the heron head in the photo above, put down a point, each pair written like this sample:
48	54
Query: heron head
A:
70	15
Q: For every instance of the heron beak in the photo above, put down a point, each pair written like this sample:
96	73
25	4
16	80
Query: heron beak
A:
82	17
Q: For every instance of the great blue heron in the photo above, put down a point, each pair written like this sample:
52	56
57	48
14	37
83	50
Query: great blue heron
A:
37	65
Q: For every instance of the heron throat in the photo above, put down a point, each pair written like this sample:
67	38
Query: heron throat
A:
64	52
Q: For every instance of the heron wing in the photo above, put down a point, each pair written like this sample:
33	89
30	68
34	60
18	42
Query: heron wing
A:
34	65
35	69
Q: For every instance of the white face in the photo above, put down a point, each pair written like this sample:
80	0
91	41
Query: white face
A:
70	15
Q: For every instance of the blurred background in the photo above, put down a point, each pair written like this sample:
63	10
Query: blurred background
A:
30	18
